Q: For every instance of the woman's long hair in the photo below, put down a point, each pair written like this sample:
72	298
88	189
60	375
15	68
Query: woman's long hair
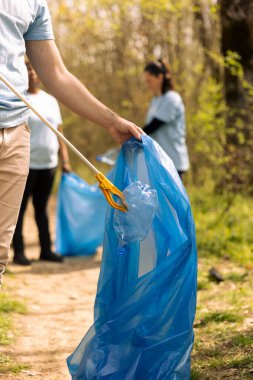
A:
157	68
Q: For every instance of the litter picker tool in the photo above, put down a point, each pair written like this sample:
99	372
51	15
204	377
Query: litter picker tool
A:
108	189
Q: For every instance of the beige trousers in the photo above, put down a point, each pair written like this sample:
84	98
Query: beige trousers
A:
14	167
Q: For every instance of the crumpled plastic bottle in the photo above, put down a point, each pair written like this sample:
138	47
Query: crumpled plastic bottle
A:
134	225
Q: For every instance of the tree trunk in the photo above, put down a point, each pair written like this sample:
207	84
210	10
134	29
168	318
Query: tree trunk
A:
208	34
237	37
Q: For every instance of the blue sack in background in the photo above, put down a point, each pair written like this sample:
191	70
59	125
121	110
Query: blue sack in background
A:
81	212
146	297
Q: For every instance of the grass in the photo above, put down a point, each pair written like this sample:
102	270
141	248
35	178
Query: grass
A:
224	321
8	307
224	231
5	327
8	365
241	340
221	316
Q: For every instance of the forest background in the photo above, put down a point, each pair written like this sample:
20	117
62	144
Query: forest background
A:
209	45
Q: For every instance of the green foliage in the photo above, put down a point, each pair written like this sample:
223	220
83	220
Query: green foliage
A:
232	62
206	127
224	225
107	44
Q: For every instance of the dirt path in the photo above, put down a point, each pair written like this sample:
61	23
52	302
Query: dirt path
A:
59	298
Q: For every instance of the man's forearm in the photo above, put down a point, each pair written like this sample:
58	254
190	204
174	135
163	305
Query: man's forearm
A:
65	87
76	97
46	60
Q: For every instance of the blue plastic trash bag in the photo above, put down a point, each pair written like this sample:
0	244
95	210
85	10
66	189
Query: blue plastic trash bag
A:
81	212
146	297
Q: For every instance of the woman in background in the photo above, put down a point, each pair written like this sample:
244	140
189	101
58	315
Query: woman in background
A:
43	165
165	121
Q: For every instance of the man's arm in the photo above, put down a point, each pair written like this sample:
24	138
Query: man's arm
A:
47	62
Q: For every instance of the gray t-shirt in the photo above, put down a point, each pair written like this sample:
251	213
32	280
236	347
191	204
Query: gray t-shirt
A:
169	108
20	20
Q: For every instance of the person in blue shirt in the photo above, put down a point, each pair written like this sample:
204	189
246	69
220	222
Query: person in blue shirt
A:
25	26
165	120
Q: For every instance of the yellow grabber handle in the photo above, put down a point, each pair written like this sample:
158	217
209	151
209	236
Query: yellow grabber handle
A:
108	189
104	184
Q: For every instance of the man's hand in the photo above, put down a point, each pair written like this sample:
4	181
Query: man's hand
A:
124	130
